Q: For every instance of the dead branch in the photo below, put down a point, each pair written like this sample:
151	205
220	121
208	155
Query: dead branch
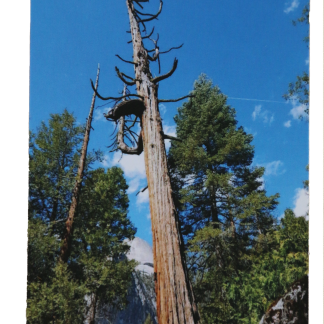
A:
172	49
175	100
122	75
125	60
165	76
153	17
165	136
122	146
157	53
113	98
141	13
148	36
139	4
142	190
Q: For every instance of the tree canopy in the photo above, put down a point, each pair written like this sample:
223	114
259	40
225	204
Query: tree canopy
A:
97	267
239	257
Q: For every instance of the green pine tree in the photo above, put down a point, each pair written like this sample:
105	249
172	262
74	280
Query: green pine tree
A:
222	205
97	266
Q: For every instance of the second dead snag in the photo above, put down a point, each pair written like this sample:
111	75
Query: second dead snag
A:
175	298
65	249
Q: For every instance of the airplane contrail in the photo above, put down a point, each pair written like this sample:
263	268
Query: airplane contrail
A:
257	100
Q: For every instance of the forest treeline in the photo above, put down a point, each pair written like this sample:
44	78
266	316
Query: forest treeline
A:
240	257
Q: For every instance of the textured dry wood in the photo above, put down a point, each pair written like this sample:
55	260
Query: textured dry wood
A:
175	299
65	249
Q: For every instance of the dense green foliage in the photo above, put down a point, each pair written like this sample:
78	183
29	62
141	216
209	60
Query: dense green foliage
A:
239	259
97	266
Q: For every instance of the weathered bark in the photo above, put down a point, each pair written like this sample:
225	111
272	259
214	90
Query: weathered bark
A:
175	299
93	308
65	249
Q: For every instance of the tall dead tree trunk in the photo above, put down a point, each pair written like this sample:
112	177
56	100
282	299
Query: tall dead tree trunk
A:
174	294
65	249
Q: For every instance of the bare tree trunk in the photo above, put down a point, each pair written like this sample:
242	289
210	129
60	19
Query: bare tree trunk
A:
175	298
93	308
65	249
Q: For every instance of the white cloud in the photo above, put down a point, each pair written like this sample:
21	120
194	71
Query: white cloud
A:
301	200
162	109
287	123
274	168
148	216
292	6
307	61
298	110
98	113
134	185
133	167
142	197
262	185
263	114
256	112
169	130
271	119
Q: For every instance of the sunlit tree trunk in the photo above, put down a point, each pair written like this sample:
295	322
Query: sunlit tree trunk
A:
175	299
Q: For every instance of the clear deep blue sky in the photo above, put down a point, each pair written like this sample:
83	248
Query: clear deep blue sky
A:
250	49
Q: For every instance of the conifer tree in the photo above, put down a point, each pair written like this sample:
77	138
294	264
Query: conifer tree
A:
97	267
222	204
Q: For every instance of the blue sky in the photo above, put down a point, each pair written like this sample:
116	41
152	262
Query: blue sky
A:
250	49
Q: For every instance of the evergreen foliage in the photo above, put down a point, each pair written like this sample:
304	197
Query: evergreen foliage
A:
97	265
239	259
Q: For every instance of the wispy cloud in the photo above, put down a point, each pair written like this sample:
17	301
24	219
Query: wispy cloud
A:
133	167
274	168
262	185
287	123
162	109
142	197
249	130
301	200
265	115
98	113
298	110
291	6
256	112
169	130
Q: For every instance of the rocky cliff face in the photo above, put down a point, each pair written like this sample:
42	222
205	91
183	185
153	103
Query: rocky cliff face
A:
141	295
292	308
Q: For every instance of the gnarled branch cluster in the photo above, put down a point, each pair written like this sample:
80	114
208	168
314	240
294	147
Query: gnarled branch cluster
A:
125	105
